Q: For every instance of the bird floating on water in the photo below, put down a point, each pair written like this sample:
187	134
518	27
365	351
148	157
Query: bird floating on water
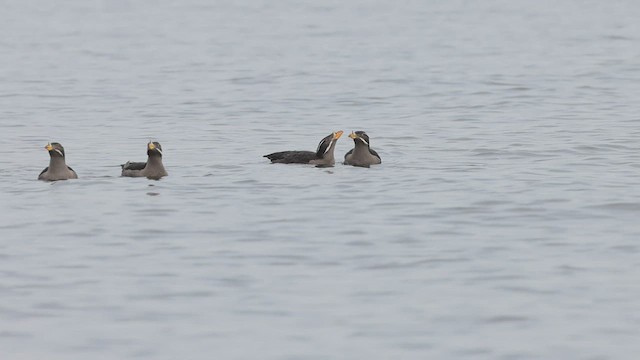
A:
57	169
362	154
152	169
322	157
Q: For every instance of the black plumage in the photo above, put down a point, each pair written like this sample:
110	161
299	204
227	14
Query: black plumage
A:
133	165
323	156
293	157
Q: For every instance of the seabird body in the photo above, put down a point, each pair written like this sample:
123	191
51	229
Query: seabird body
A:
152	169
322	157
362	154
57	169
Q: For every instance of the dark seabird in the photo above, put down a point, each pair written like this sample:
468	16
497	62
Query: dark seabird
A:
57	169
152	169
362	154
321	158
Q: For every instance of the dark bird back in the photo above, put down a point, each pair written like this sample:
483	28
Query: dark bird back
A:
133	165
292	157
323	156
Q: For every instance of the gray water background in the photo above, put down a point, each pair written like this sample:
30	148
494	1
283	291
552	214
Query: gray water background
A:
502	224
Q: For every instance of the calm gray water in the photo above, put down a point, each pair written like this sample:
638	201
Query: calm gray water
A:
502	224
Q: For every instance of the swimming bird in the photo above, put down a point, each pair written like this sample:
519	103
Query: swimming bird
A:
57	169
362	154
152	169
321	158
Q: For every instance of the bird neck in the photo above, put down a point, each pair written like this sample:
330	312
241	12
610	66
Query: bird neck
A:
329	154
57	163
360	148
155	161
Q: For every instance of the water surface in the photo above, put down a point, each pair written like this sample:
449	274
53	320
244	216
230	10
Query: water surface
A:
502	224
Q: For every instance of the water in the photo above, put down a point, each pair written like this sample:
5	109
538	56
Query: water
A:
502	224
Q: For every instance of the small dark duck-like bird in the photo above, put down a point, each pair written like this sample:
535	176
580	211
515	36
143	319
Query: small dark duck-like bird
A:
321	158
362	154
152	169
57	169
